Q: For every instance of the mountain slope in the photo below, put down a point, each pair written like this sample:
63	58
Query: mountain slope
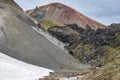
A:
101	48
19	40
64	14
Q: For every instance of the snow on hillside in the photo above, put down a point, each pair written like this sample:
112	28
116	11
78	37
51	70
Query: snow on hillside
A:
13	69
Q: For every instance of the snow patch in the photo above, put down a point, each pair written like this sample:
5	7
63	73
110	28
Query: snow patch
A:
13	69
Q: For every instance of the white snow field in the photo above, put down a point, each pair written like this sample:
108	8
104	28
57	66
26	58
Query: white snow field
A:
13	69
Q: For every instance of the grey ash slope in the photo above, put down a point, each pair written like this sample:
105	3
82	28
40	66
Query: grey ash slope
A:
19	40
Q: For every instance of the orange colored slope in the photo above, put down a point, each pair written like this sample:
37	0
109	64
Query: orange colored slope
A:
65	15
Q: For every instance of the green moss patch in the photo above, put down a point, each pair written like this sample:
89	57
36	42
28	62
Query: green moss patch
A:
46	24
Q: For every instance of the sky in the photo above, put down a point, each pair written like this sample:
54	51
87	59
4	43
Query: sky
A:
104	11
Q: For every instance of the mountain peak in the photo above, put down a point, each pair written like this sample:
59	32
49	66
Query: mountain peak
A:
64	14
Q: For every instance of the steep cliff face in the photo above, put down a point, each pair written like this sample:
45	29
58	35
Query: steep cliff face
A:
19	40
64	14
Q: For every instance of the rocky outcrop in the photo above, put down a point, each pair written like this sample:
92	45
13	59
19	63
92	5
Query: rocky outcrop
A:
64	34
98	47
64	14
19	40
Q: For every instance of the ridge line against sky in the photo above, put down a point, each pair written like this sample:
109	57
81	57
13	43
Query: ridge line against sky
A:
104	11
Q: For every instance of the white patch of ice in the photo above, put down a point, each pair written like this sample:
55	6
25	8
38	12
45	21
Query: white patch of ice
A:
13	69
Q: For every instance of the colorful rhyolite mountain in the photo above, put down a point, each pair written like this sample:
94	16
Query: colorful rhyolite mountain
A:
64	14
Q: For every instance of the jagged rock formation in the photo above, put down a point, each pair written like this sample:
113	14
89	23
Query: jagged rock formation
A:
96	45
64	14
64	34
101	48
19	40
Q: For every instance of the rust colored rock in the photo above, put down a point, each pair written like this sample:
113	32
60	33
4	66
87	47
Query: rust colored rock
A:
65	15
